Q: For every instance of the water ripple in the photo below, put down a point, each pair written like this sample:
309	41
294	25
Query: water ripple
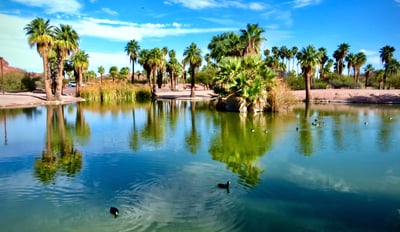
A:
174	201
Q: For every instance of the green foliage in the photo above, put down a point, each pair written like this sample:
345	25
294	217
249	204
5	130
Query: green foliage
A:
107	93
205	78
344	82
19	81
295	82
247	77
319	84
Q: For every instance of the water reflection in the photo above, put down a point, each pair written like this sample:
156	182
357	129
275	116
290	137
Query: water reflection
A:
59	156
345	127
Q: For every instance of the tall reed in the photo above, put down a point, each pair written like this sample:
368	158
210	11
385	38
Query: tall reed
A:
115	92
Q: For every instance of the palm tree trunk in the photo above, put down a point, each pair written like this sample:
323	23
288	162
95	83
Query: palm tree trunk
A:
192	81
47	79
133	72
59	82
308	86
78	86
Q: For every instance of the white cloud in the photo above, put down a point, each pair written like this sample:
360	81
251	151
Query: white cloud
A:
280	17
109	11
304	3
204	4
54	6
123	31
373	57
316	179
16	51
14	44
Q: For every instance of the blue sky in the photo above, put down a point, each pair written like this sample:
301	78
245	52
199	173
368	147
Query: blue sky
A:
106	26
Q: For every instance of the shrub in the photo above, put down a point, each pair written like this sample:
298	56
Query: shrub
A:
344	82
295	82
19	81
115	92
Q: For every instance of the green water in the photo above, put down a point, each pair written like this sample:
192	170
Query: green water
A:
321	168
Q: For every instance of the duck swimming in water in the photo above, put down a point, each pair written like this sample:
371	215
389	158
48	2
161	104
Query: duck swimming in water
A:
114	211
224	186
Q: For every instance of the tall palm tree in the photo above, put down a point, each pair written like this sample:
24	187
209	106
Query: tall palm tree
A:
252	38
80	62
386	54
144	57
351	60
322	53
101	71
40	34
173	66
66	42
368	70
283	53
360	59
308	58
392	68
294	51
192	56
132	49
155	62
339	55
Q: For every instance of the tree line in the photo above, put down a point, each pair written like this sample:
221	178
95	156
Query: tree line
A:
234	61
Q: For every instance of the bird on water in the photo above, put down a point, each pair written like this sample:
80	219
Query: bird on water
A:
224	186
114	211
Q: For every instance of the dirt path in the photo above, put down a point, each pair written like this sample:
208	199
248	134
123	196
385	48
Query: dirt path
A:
32	99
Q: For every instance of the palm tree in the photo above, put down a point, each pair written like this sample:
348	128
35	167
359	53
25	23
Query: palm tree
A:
368	69
40	34
113	72
275	51
283	53
360	59
66	42
144	57
172	66
156	62
294	51
351	60
323	59
386	54
101	71
226	44
192	56
339	55
252	38
308	58
80	62
392	68
132	49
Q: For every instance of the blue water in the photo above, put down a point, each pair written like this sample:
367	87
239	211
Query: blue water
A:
324	168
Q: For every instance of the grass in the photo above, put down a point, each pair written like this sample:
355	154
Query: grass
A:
115	92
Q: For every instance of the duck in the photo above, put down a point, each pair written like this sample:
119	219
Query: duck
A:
252	130
114	211
224	186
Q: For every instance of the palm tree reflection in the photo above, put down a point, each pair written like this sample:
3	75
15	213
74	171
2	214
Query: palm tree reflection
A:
59	155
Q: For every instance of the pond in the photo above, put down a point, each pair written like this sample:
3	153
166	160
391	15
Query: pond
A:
316	168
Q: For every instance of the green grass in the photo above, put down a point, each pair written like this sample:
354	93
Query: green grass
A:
115	92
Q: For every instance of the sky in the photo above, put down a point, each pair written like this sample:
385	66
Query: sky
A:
106	26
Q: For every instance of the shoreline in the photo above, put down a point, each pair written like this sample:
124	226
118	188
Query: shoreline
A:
365	96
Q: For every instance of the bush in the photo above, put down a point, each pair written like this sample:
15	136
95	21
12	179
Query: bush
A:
18	81
319	84
344	82
295	82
